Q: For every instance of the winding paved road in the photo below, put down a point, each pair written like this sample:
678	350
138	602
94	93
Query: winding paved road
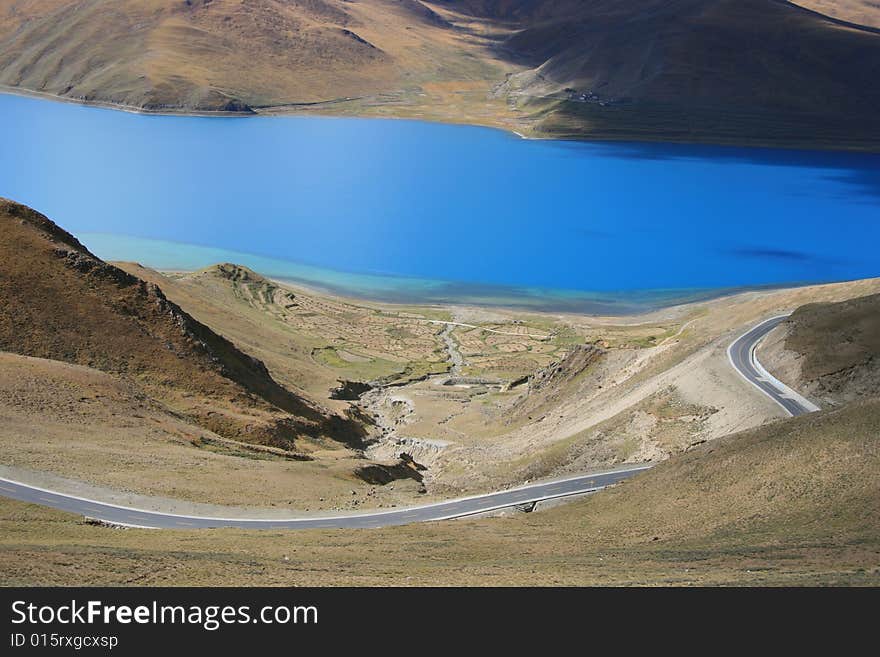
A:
742	356
458	508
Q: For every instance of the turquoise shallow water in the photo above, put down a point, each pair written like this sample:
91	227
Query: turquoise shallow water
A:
414	211
171	256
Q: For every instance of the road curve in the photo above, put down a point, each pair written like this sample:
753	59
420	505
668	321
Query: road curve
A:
457	508
742	356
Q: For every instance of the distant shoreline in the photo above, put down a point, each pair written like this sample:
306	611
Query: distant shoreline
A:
119	107
400	289
285	109
602	309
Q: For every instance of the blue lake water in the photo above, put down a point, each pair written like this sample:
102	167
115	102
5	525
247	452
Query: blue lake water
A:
413	211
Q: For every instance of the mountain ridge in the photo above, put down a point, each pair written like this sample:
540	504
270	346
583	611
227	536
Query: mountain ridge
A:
63	303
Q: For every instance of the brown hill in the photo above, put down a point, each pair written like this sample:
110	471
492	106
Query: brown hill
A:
830	351
207	55
743	70
63	303
860	12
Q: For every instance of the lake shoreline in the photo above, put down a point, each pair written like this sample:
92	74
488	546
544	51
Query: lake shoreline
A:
416	212
612	305
303	110
404	290
607	307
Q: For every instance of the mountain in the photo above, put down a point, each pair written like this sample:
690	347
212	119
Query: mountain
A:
205	55
718	70
764	72
62	303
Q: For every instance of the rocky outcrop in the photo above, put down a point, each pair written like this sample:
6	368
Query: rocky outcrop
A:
551	385
257	288
350	390
557	374
380	474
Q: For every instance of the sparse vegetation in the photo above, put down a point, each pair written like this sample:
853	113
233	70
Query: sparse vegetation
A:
364	370
792	503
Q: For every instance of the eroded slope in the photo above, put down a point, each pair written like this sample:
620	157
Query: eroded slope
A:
62	303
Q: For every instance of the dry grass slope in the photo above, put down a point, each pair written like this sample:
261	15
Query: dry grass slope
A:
160	54
726	70
795	502
834	337
860	12
62	303
830	350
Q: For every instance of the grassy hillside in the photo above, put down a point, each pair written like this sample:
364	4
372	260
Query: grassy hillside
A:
301	335
795	502
108	438
860	12
225	55
830	351
160	53
62	303
730	71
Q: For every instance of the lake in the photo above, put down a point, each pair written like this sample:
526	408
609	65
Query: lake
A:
412	211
